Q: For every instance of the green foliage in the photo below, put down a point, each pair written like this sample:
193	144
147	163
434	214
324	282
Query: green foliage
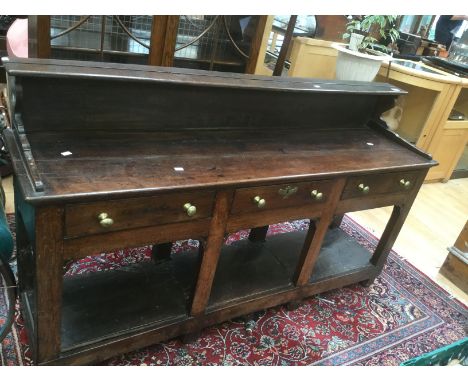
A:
383	24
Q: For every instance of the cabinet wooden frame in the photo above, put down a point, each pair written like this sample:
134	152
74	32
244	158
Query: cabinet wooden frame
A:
162	42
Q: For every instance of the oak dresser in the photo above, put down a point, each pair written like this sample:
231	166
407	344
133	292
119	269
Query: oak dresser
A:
110	156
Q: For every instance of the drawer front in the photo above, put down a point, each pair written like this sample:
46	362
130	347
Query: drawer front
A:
253	199
376	184
114	215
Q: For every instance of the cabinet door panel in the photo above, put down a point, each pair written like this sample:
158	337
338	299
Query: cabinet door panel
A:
447	153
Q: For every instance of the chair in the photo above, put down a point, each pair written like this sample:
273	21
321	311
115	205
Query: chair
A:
7	279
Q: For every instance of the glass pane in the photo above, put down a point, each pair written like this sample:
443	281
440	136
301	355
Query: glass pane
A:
406	24
431	35
117	40
88	34
205	38
424	25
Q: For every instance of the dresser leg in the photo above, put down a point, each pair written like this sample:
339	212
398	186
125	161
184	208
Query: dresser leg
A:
314	238
258	234
336	222
24	256
293	305
49	282
367	283
251	320
190	337
394	225
210	253
161	252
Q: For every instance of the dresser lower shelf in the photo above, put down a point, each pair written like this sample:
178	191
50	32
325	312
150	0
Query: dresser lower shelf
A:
146	299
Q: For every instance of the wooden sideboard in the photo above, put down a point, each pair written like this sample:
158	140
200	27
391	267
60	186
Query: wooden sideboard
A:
113	156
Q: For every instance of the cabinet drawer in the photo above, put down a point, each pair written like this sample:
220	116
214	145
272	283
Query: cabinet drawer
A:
361	186
252	199
113	215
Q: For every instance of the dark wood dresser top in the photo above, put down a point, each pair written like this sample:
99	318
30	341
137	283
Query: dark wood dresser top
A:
120	163
94	129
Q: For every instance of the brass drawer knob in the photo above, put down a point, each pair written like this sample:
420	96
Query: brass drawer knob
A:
259	202
364	189
104	220
405	183
316	195
190	209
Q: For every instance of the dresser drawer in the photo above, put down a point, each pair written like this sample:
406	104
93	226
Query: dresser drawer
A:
361	186
253	199
114	215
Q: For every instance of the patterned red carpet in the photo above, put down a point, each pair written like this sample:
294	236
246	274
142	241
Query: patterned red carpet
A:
402	315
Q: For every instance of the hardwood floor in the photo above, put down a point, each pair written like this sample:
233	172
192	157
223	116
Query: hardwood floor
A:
434	223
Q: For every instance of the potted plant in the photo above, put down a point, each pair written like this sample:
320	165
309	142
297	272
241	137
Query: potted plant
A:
355	33
362	58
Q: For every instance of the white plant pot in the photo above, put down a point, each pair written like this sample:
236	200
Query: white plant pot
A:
357	66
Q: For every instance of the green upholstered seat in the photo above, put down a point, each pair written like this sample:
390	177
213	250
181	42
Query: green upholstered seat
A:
6	239
6	275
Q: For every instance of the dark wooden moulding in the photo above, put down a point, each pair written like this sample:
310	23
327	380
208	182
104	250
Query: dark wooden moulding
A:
91	138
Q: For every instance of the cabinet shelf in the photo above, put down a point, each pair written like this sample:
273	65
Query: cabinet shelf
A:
100	306
457	124
248	270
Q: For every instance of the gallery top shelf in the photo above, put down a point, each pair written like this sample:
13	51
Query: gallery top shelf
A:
128	72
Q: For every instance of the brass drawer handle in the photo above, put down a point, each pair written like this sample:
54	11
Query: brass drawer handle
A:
190	209
405	183
104	220
287	191
316	195
259	202
364	189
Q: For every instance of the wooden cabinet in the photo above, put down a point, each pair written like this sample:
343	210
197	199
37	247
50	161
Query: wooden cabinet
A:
190	155
312	58
432	94
449	149
455	266
210	42
427	105
450	140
